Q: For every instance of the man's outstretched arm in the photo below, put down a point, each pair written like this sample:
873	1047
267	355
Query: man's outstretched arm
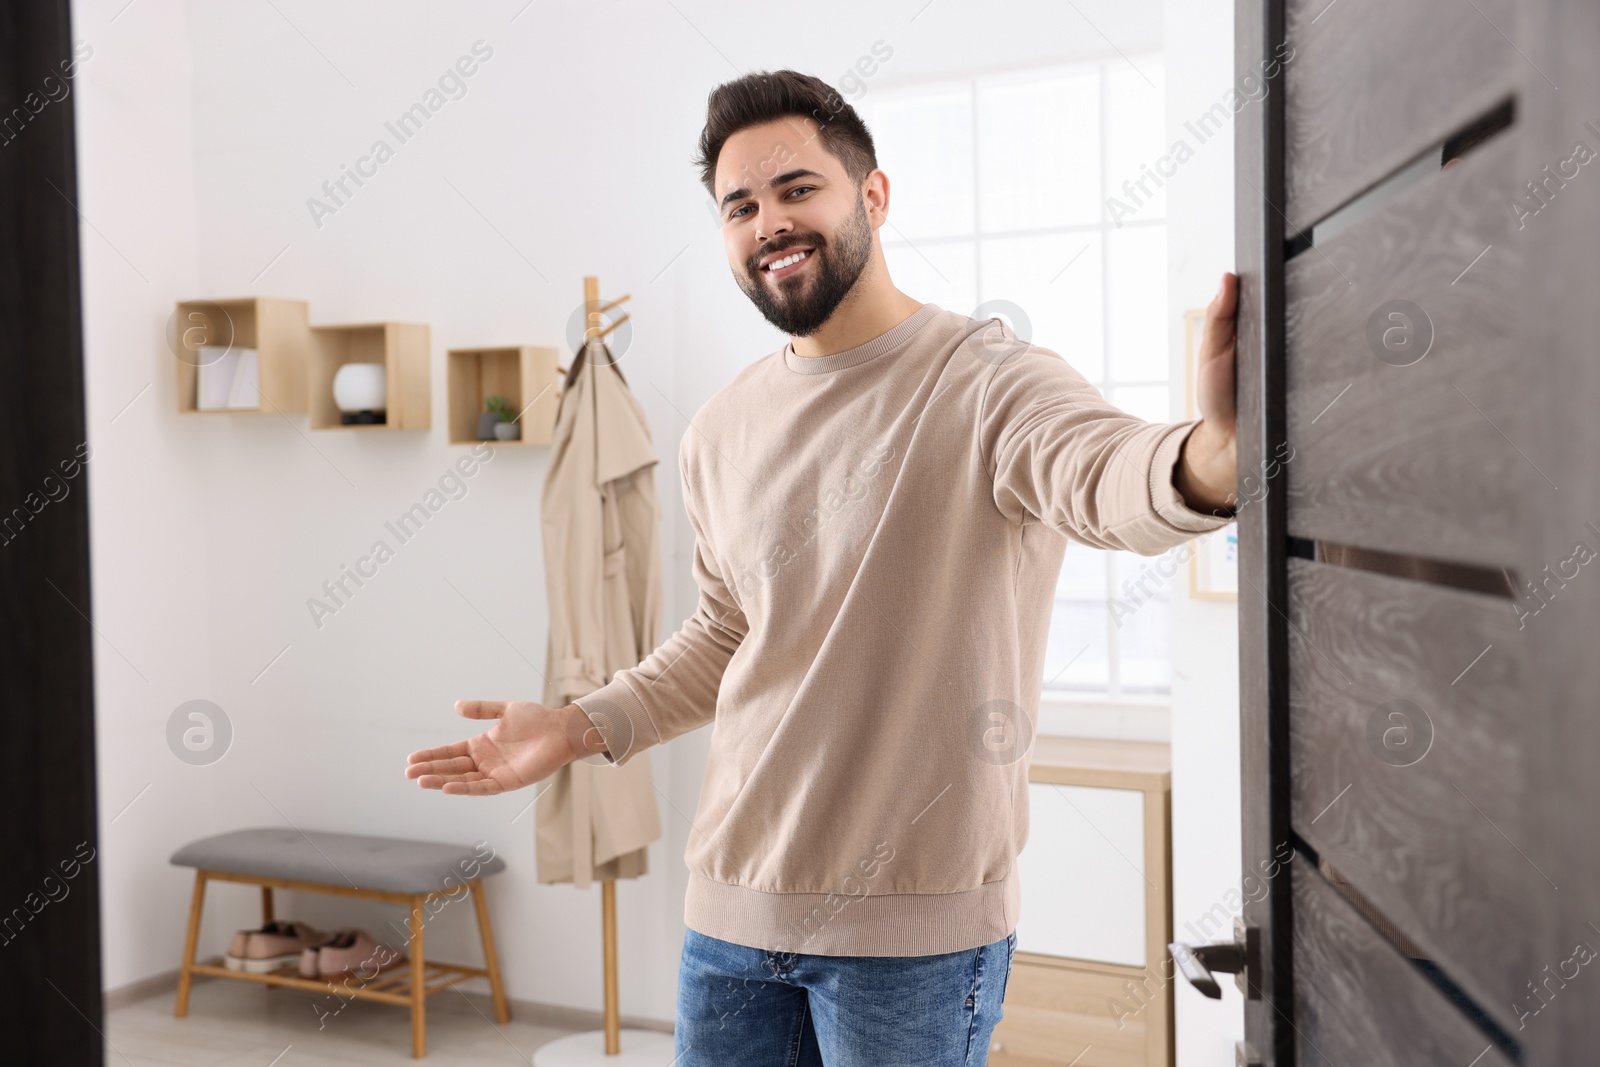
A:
1060	453
670	692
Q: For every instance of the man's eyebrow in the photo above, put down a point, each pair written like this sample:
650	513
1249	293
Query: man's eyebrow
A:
788	176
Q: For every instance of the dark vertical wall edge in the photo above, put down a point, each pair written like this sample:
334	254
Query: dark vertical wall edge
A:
51	1010
1263	565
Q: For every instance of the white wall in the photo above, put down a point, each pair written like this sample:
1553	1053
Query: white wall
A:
1205	691
203	130
149	474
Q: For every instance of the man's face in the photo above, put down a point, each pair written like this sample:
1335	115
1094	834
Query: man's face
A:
814	208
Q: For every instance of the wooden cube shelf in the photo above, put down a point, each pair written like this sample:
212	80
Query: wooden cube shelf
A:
403	349
526	375
276	329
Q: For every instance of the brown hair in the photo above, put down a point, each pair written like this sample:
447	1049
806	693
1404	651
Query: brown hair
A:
764	96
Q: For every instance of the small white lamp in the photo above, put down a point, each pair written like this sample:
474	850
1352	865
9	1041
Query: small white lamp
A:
361	390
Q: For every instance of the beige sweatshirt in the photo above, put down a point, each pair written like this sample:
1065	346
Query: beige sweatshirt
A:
878	534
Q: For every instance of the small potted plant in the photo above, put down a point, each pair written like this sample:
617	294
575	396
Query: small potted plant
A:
487	420
505	427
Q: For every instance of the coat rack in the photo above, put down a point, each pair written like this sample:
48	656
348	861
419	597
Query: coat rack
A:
645	1047
592	330
608	889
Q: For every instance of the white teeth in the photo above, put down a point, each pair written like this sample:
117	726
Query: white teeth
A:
779	264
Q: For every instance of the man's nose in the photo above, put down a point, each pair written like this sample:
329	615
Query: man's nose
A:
773	223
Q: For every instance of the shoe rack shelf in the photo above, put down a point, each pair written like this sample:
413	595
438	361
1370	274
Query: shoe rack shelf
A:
408	982
391	984
526	375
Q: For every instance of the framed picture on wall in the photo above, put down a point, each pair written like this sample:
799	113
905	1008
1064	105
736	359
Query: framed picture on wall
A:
1214	563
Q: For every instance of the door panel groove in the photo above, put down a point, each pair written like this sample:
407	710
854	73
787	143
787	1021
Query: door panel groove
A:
1385	929
1460	144
1405	748
1405	383
1468	577
1371	83
1361	1001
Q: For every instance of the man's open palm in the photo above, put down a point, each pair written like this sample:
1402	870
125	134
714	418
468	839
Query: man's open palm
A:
526	744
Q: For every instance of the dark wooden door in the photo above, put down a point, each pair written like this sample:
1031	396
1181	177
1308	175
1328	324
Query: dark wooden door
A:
1419	362
50	976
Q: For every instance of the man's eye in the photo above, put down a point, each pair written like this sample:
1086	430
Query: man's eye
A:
799	188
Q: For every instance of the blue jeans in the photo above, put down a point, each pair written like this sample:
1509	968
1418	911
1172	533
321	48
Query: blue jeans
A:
747	1007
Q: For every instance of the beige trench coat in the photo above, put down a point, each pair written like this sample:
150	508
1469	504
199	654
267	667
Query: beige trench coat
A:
602	553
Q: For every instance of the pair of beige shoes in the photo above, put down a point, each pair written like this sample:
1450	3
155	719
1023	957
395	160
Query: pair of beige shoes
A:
281	944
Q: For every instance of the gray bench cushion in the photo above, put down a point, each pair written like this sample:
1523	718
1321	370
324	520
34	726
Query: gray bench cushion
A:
394	864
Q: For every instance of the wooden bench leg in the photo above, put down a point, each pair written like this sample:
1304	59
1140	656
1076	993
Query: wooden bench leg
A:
419	1003
191	943
491	961
266	919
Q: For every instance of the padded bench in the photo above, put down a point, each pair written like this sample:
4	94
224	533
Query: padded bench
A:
390	869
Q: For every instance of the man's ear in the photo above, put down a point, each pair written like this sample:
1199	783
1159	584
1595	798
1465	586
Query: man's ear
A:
881	203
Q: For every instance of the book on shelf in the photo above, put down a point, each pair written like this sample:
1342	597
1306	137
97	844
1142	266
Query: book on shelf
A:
229	379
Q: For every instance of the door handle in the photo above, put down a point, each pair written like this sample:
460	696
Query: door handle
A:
1198	962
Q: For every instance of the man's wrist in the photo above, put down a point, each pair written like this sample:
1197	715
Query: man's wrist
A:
1206	474
583	737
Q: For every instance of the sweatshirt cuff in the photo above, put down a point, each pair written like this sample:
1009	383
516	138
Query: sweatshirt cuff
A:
1164	495
624	725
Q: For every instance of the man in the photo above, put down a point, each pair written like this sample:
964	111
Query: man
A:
880	511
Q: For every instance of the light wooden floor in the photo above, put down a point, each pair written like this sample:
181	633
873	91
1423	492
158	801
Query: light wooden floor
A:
242	1024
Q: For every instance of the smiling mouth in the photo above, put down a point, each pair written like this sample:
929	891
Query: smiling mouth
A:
792	264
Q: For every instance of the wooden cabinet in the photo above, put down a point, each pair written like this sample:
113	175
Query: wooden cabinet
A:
1091	984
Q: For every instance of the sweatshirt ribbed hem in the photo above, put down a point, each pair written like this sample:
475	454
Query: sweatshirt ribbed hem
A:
837	924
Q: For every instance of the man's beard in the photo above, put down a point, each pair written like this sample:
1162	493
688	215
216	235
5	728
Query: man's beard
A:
806	303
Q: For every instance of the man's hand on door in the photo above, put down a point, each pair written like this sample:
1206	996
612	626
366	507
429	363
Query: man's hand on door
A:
1207	472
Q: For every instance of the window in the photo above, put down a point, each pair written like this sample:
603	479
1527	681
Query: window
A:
999	191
